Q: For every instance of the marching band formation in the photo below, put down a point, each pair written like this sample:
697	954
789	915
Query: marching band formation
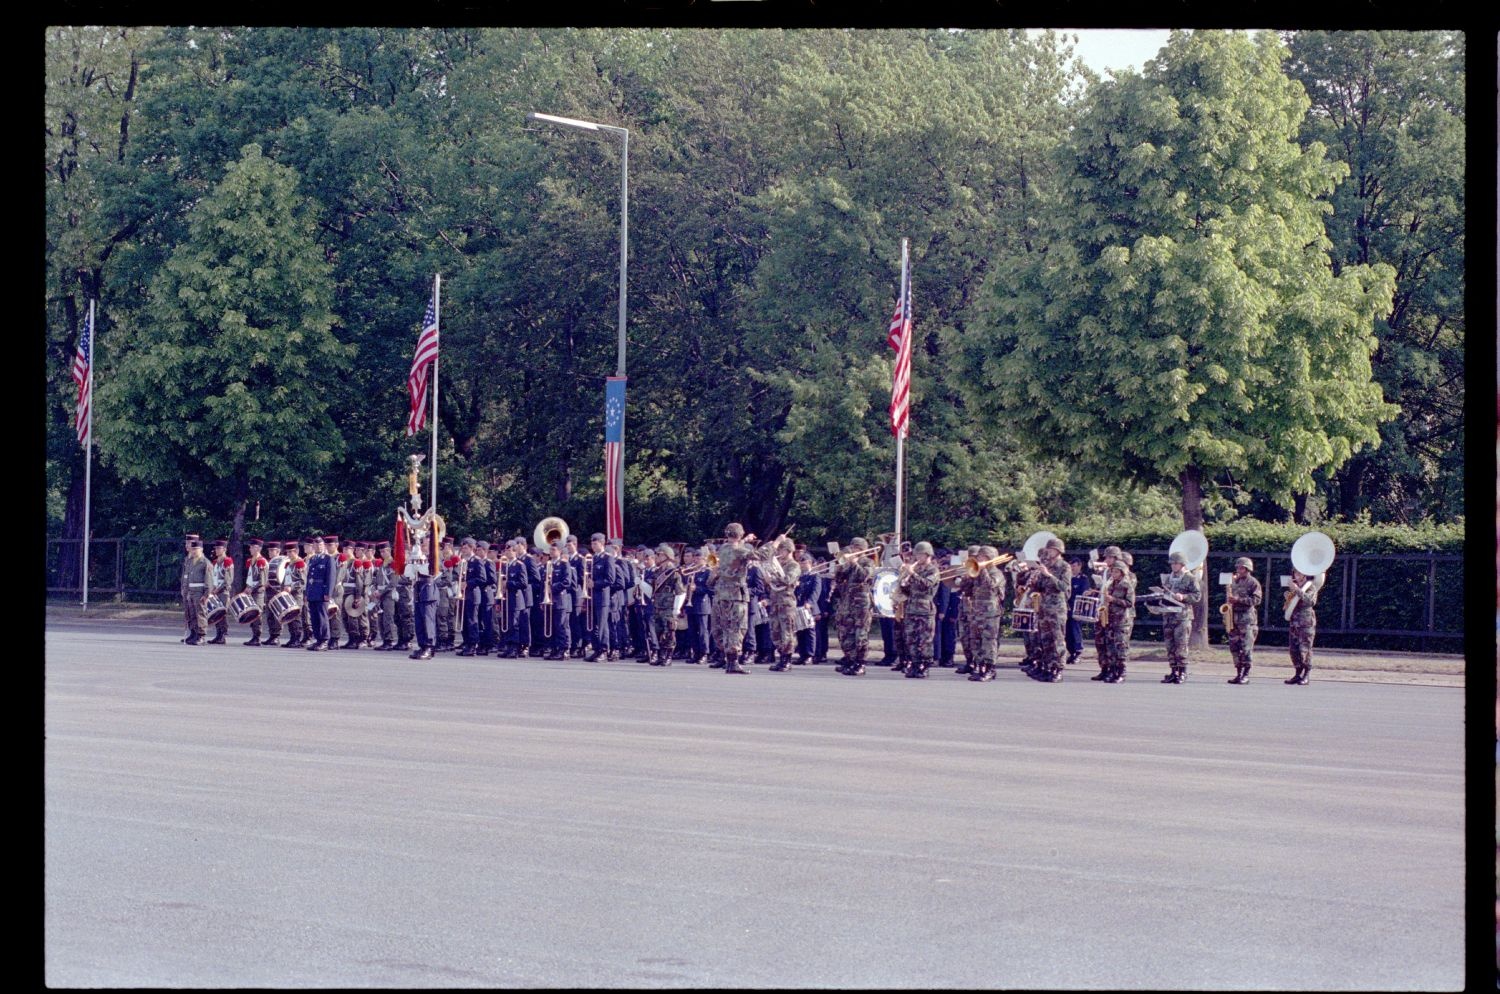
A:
725	604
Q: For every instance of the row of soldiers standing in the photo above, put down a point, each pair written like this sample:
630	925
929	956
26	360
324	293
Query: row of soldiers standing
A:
557	602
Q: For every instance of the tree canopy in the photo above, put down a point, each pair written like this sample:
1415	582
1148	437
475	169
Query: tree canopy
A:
1113	280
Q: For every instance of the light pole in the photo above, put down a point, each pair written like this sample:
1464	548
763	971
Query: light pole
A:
624	133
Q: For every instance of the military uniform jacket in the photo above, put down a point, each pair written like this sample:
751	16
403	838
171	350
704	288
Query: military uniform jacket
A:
564	584
854	583
517	585
320	574
810	593
603	579
782	582
575	563
982	593
1121	599
223	569
666	584
1304	616
732	580
256	571
920	589
197	576
346	584
1054	583
1245	597
700	601
1186	584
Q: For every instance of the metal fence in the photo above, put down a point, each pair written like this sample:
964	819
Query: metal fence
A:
1411	601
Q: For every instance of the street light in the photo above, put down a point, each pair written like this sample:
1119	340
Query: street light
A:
624	134
615	468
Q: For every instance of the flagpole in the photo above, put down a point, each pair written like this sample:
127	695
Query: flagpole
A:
437	290
901	435
88	458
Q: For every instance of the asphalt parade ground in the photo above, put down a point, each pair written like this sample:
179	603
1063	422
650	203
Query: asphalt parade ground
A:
224	816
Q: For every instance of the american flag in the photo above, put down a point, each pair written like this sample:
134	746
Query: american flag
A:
614	457
82	360
899	337
421	363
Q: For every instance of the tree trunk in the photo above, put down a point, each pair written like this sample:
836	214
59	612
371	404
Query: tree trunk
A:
1192	518
236	539
1299	508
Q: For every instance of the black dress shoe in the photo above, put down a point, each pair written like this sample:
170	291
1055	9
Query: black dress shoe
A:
422	654
593	656
315	647
717	664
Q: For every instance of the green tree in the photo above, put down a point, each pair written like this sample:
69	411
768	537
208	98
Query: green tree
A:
224	382
1391	105
1180	320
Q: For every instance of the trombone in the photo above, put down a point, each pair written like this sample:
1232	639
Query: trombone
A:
973	567
844	558
547	602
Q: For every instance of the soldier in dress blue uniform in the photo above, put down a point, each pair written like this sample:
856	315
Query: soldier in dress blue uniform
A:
472	578
601	582
1081	585
519	599
560	579
699	607
426	598
809	595
949	607
824	619
577	622
319	589
534	562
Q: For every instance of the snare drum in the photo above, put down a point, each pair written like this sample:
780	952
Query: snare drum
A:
213	609
244	608
1023	619
1086	607
804	618
283	607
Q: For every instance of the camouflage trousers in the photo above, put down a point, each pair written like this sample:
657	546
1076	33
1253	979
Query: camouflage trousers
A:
980	636
1051	647
662	622
731	622
854	631
1178	632
919	632
784	626
1300	644
1242	643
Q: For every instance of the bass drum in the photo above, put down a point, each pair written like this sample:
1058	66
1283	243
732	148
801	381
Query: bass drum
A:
887	578
244	608
213	609
283	607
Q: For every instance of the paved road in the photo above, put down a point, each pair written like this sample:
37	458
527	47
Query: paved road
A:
229	817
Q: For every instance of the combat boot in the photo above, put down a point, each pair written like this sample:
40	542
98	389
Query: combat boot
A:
194	640
350	643
423	653
732	665
1103	674
1295	677
782	662
1171	676
964	670
254	640
216	640
1302	680
1239	674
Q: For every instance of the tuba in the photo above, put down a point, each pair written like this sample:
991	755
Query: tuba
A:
549	530
1312	554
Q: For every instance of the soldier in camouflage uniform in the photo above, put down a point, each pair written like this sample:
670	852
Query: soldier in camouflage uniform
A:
1121	605
1244	598
781	578
731	617
197	578
1053	579
1303	626
919	587
1103	646
966	617
854	580
983	597
666	583
1177	627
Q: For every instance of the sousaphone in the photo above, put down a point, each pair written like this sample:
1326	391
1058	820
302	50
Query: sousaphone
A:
1031	552
549	530
1312	554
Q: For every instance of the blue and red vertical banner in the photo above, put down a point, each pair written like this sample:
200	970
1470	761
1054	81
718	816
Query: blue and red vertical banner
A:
614	457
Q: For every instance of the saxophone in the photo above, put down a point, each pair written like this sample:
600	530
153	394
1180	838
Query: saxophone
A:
1103	621
1226	609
